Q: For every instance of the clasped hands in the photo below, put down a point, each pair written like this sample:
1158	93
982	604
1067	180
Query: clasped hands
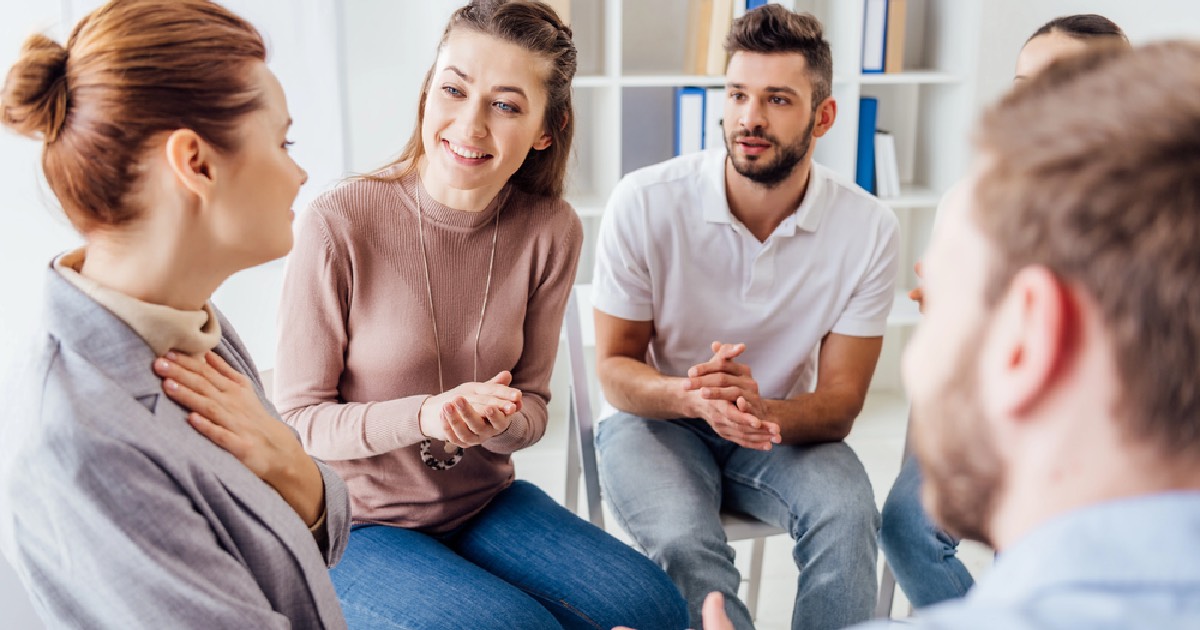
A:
723	393
472	413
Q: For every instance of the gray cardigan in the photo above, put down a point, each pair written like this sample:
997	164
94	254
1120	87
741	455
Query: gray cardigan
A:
118	514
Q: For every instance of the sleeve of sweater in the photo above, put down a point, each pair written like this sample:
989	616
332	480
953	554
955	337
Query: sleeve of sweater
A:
313	337
543	321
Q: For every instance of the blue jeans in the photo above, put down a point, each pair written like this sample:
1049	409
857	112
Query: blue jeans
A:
921	556
523	562
667	481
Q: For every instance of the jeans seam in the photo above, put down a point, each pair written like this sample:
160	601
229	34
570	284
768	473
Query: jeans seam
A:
748	482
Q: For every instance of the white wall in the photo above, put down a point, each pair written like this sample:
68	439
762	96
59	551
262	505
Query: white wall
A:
1008	23
389	46
29	236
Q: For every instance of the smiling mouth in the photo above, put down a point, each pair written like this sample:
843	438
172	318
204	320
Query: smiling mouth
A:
464	152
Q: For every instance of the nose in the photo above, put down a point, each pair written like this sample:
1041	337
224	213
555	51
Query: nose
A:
303	175
475	120
751	115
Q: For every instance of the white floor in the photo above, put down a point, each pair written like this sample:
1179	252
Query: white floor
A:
878	438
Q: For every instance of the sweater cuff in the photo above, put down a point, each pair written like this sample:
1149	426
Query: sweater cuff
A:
393	424
513	439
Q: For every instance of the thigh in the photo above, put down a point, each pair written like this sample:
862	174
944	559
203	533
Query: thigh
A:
799	487
392	577
581	574
659	476
903	504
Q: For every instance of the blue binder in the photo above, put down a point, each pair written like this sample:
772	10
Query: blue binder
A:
689	119
874	42
754	4
864	170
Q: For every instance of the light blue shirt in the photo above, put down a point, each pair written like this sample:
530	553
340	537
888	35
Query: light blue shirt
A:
1133	563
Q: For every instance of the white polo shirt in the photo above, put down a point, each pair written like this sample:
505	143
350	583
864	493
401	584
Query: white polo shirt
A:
670	251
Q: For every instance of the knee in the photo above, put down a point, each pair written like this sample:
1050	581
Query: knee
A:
903	519
659	606
633	593
850	511
679	546
515	611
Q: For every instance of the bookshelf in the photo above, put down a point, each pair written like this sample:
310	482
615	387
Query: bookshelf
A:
633	54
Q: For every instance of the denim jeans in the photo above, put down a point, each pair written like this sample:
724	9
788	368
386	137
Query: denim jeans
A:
667	480
921	556
523	562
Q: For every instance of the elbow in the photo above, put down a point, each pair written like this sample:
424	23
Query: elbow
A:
845	422
605	374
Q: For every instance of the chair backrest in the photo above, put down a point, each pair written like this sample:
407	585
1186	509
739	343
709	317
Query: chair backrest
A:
582	455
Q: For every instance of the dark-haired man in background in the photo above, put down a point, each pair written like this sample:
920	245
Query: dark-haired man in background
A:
757	245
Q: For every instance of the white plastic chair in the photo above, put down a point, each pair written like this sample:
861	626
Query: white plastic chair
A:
581	451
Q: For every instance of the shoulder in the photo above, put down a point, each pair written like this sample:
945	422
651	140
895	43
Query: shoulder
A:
657	196
352	208
550	218
849	203
691	171
65	422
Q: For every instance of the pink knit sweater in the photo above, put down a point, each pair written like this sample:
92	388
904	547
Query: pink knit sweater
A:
356	352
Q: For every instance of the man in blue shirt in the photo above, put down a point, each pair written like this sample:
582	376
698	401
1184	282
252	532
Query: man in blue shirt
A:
1055	377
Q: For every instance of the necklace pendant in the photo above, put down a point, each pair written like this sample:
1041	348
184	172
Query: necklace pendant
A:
436	463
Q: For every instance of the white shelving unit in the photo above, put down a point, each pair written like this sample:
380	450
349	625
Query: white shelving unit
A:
632	54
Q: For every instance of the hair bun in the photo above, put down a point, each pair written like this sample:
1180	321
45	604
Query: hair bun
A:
34	99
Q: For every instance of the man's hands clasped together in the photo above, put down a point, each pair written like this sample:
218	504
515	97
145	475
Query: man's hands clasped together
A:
724	393
472	413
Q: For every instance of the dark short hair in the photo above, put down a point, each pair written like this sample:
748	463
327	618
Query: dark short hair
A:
773	29
1082	26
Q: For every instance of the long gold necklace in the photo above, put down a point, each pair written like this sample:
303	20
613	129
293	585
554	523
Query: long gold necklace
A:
456	452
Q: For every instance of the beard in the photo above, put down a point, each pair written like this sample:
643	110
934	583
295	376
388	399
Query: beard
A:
770	173
961	466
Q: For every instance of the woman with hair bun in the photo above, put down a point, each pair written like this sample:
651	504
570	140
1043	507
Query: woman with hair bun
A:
145	481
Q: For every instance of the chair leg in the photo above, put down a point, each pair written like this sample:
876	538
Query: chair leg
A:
574	468
756	564
887	592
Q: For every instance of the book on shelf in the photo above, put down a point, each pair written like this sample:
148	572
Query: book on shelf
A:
689	119
699	16
718	29
874	41
864	169
740	7
714	110
897	17
887	170
710	21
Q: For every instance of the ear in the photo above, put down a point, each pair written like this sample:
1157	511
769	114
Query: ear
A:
190	159
826	113
546	140
1030	344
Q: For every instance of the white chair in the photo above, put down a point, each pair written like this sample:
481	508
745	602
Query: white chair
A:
581	451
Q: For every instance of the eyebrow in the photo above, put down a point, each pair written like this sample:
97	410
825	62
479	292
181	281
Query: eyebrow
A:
770	89
512	89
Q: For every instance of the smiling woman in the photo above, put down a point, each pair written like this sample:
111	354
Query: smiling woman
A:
421	313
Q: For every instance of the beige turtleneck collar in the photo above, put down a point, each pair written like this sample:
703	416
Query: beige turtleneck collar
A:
164	328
